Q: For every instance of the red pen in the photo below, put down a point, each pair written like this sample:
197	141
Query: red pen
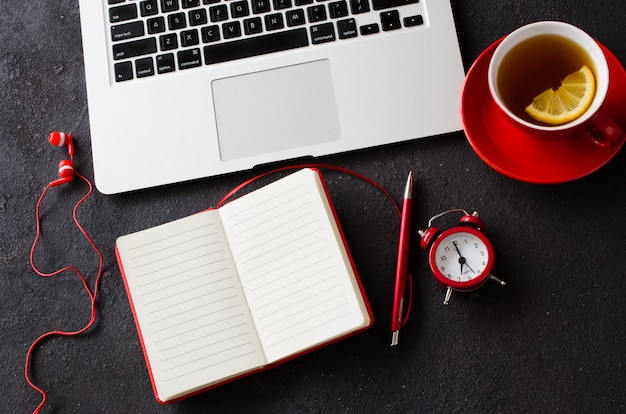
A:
403	261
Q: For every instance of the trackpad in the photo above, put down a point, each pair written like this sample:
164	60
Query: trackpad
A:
275	110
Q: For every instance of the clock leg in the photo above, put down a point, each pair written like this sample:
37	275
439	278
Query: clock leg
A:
501	282
448	294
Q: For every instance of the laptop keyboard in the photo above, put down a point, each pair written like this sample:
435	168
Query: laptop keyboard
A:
153	37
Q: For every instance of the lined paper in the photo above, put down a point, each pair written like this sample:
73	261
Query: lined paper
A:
293	265
193	316
225	292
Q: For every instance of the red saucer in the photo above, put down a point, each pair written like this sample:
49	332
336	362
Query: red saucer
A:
508	150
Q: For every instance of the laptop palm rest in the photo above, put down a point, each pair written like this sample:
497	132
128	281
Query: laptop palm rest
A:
275	110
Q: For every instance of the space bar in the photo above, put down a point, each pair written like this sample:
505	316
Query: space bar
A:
254	46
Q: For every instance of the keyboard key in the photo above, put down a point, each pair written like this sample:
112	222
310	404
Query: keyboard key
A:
254	46
122	13
260	6
346	28
168	41
176	21
148	8
197	17
210	34
413	21
390	20
274	21
338	9
189	59
218	13
322	33
295	17
359	6
281	4
252	25
368	29
127	31
165	63
187	4
239	9
316	13
231	29
123	71
134	48
144	67
116	1
189	38
169	5
156	25
388	4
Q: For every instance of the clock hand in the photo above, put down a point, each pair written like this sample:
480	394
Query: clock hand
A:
461	258
457	248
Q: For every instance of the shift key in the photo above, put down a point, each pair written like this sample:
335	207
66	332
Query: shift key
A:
134	48
387	4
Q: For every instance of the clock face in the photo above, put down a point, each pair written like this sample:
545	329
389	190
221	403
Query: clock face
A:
462	258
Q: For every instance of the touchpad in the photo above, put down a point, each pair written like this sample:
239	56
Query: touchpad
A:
275	110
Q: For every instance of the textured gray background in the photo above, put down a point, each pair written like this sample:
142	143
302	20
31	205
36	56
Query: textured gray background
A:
552	340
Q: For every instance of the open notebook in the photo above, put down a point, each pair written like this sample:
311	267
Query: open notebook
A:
223	293
184	89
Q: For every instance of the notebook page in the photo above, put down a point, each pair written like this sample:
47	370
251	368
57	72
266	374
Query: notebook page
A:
296	275
194	322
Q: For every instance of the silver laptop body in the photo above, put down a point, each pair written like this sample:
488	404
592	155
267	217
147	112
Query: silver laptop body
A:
163	113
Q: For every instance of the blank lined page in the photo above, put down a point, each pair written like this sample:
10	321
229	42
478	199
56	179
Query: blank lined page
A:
297	277
194	321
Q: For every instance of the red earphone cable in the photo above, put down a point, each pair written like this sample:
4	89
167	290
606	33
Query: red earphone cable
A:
312	165
92	295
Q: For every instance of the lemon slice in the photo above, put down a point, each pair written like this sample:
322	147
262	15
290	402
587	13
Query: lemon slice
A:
567	102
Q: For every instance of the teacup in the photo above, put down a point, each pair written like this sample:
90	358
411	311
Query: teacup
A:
529	60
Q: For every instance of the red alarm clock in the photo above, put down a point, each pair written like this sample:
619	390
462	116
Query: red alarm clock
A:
461	258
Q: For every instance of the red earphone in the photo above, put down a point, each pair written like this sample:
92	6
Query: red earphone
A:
66	167
61	139
67	173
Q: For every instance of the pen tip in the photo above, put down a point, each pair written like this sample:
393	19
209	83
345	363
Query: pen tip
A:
408	190
394	338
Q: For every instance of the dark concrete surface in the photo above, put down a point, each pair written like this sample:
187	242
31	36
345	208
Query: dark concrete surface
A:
552	340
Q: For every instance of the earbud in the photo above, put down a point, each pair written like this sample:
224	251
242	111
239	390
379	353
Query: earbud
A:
61	139
66	167
66	172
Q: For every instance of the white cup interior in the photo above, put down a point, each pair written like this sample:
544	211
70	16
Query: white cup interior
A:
556	28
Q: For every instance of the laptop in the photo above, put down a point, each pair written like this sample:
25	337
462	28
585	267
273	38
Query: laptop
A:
185	89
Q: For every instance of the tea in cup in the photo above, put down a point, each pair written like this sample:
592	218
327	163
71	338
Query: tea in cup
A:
552	78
